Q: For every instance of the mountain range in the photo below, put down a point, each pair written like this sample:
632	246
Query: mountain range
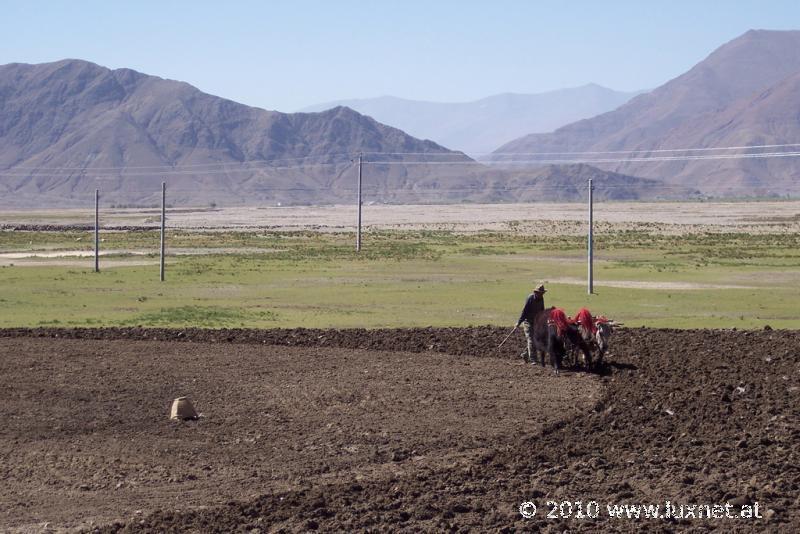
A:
71	126
479	127
745	93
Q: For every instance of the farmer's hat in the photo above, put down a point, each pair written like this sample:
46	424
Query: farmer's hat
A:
540	289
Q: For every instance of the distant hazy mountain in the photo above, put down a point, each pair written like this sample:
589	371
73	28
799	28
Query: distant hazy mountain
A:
481	126
70	126
747	92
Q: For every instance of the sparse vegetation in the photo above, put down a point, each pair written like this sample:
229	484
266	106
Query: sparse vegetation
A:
404	278
204	316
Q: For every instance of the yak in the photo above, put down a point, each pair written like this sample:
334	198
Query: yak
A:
595	331
552	330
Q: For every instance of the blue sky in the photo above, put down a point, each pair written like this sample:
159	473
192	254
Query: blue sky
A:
291	54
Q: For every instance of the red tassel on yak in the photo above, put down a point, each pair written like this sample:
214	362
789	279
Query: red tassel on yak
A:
585	319
559	318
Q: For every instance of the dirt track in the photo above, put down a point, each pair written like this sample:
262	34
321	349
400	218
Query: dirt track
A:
336	430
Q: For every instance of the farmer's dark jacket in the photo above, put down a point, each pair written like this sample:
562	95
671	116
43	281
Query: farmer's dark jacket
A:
533	305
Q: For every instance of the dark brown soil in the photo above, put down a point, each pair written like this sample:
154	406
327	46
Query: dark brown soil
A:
414	430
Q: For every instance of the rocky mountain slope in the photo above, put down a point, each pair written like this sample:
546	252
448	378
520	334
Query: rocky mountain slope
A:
745	93
70	126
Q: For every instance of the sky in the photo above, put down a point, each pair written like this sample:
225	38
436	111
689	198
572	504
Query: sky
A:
291	54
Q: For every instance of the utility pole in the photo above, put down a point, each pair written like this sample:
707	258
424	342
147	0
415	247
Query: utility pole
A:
97	230
163	220
591	224
358	234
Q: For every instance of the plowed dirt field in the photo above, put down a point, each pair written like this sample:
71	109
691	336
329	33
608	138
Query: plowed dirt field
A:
411	430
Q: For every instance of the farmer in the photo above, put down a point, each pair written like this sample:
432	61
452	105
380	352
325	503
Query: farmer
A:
533	305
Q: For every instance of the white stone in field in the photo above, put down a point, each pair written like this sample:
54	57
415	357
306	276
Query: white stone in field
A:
182	409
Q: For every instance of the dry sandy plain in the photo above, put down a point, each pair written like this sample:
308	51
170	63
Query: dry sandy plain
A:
566	218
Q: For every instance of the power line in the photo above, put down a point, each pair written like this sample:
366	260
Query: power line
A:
376	190
645	150
157	168
604	160
168	167
453	154
670	158
89	173
657	150
207	168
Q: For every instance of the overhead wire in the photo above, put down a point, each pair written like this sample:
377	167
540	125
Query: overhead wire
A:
604	160
247	162
92	171
350	159
263	172
646	150
373	190
14	173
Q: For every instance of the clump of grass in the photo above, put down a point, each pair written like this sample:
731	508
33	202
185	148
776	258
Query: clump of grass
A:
487	251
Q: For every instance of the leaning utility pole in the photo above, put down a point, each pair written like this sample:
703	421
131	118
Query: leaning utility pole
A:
163	220
358	234
97	230
591	223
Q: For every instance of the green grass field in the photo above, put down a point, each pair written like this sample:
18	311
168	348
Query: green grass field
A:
402	279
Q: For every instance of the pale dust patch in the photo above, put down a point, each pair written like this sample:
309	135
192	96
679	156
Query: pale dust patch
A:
133	252
527	219
106	264
65	254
